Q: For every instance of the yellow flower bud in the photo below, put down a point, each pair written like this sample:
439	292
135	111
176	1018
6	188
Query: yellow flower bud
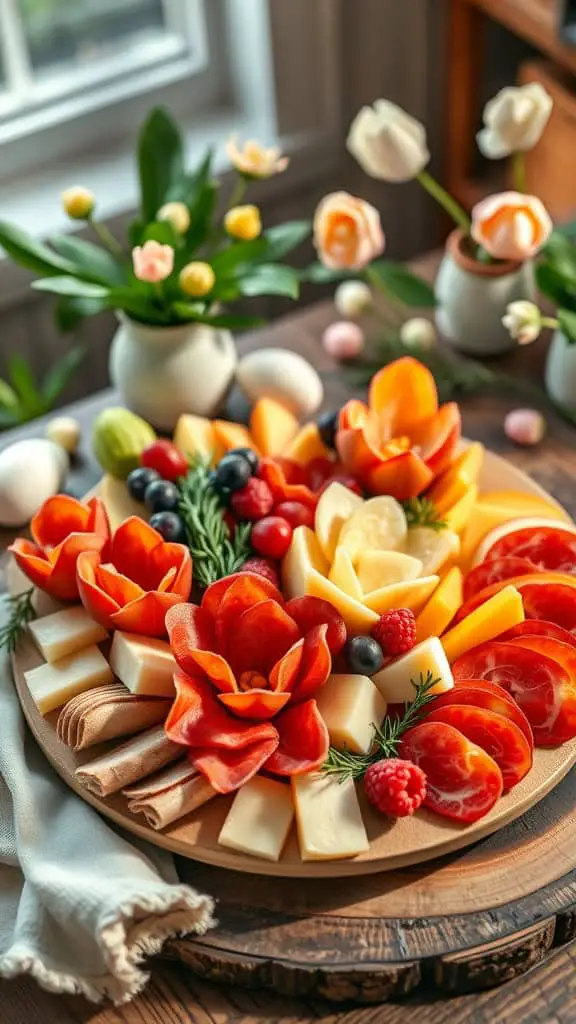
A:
78	202
197	279
243	222
178	216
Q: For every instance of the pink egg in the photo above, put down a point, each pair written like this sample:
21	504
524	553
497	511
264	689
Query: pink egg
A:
525	426
343	340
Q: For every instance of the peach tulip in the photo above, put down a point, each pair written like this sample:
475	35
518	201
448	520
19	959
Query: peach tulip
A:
347	232
510	225
152	261
254	160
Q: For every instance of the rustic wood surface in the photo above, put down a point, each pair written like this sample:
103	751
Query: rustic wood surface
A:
308	954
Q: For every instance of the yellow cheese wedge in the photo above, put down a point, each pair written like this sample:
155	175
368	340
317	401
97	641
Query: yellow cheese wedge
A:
259	819
511	526
435	548
458	517
272	426
342	574
489	512
520	503
194	435
396	681
377	569
303	556
351	706
51	686
65	632
437	615
358	618
336	505
454	483
329	818
306	446
118	503
378	524
495	616
144	665
412	594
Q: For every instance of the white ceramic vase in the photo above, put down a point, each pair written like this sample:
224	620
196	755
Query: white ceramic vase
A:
473	296
560	374
162	372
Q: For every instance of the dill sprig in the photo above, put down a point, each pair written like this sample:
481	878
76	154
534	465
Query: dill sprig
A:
423	512
22	612
348	765
214	552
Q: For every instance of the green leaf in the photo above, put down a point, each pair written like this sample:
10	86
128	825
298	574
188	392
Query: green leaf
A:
317	273
90	260
139	306
8	397
23	382
11	418
30	253
403	285
163	232
70	311
270	279
567	321
552	284
560	256
60	374
201	216
283	238
192	311
71	286
228	261
189	187
135	232
160	160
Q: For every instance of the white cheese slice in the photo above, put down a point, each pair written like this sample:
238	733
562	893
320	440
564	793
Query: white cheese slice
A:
350	705
260	819
394	681
63	633
54	685
144	665
329	818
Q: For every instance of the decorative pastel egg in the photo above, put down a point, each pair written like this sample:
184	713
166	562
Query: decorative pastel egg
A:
65	431
285	376
30	472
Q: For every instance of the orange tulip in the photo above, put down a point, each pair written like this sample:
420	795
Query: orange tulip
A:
61	530
144	577
401	440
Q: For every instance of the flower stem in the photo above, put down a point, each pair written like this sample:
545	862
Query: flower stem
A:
397	307
549	321
238	192
107	239
453	209
519	171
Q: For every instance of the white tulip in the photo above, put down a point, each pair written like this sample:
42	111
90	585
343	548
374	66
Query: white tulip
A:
514	120
388	143
352	298
418	333
523	320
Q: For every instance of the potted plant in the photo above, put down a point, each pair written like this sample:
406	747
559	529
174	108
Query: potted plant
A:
174	282
489	256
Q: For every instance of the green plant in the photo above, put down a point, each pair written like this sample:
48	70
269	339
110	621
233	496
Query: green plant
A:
556	279
23	399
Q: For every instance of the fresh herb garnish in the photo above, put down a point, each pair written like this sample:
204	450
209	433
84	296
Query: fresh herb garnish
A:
348	765
22	612
214	552
423	512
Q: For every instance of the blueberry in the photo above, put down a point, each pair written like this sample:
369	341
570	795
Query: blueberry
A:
364	655
161	496
249	455
327	427
170	526
138	481
232	473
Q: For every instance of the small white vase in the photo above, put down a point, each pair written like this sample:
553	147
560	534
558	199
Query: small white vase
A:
162	372
473	296
560	373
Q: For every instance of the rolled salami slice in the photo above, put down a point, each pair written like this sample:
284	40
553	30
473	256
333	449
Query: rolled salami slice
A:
170	794
127	764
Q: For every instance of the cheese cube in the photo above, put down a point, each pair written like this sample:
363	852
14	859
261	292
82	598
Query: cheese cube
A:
328	817
395	681
351	705
54	685
499	613
144	665
260	819
63	633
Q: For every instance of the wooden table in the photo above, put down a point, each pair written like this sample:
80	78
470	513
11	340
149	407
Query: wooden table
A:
546	995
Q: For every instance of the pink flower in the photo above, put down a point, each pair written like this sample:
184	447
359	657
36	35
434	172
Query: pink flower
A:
343	340
152	261
347	232
510	225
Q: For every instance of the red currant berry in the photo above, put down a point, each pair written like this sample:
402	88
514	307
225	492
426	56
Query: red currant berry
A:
295	513
166	459
271	537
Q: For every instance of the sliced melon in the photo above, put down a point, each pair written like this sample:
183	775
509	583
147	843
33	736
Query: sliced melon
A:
272	426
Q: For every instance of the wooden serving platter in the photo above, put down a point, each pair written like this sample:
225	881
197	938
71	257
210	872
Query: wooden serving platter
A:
393	845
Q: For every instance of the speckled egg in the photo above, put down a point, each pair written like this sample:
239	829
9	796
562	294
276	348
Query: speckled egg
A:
30	472
283	375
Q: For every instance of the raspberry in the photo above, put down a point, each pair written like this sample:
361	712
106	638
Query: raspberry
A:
254	501
262	567
395	787
396	632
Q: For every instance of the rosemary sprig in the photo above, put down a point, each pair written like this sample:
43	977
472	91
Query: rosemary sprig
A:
22	612
423	512
347	765
214	552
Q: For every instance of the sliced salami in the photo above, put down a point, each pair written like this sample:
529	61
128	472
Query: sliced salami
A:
549	547
553	602
481	693
538	627
495	733
494	571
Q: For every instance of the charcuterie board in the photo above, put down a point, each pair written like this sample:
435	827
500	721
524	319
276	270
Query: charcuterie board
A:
392	846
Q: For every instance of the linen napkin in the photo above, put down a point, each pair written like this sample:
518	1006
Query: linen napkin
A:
81	905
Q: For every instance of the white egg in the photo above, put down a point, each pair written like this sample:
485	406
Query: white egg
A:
65	431
283	375
30	472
